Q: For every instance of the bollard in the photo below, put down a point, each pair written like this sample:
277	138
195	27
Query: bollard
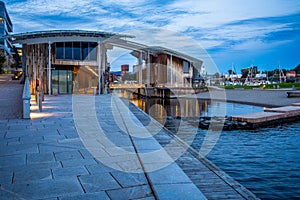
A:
26	108
94	90
40	101
26	99
293	87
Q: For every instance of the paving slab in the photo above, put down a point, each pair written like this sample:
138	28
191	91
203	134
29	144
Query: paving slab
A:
69	171
33	158
30	175
98	168
86	196
178	191
137	192
12	160
67	155
78	162
41	189
98	182
129	179
22	166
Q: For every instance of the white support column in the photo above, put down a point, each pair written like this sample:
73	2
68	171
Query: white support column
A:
99	67
148	67
34	73
103	67
171	69
141	68
49	68
24	60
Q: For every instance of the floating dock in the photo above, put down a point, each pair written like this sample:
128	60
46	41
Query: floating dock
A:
270	115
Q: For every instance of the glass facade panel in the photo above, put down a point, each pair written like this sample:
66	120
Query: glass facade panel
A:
85	50
77	51
70	81
60	50
62	81
55	81
68	51
185	67
93	51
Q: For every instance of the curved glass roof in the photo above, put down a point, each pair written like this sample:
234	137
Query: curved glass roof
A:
18	38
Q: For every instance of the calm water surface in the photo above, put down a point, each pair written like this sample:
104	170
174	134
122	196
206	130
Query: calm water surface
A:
266	160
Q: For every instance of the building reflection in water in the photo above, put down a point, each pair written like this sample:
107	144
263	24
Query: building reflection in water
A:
160	109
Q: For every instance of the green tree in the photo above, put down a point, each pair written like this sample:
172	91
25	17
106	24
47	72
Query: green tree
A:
244	72
297	69
129	77
217	75
231	72
14	65
2	61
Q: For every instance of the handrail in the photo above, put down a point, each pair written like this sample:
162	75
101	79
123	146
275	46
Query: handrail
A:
26	99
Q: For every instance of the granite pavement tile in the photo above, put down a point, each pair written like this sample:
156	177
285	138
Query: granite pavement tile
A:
98	182
41	189
69	171
34	158
137	192
129	179
87	196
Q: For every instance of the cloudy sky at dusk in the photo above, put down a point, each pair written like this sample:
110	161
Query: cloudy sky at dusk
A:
257	32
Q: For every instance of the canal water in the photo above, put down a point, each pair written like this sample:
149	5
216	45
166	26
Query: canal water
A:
266	160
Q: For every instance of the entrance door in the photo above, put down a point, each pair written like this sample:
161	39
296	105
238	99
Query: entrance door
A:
62	81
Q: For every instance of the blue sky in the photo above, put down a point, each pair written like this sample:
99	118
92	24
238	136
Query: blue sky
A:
236	32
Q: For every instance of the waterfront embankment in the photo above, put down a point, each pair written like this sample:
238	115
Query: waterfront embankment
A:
267	98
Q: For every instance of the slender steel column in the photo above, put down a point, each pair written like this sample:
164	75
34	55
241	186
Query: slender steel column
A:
171	69
99	67
141	68
148	67
49	68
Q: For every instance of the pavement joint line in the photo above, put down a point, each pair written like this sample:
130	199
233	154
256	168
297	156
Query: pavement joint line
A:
155	195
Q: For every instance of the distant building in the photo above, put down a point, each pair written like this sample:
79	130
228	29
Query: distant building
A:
291	74
6	27
159	66
135	68
124	69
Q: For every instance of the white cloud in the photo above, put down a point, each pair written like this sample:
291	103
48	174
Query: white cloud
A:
208	14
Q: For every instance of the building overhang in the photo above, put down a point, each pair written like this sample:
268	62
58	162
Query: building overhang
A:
155	50
40	37
113	39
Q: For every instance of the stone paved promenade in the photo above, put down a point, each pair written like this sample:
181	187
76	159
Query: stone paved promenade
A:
44	158
86	147
10	97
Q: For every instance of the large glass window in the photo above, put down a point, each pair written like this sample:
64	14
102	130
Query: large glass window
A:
185	67
76	51
68	51
93	51
60	50
85	50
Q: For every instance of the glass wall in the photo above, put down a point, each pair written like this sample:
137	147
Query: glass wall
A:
76	51
62	81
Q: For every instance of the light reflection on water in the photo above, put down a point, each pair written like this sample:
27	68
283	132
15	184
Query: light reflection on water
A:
266	161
